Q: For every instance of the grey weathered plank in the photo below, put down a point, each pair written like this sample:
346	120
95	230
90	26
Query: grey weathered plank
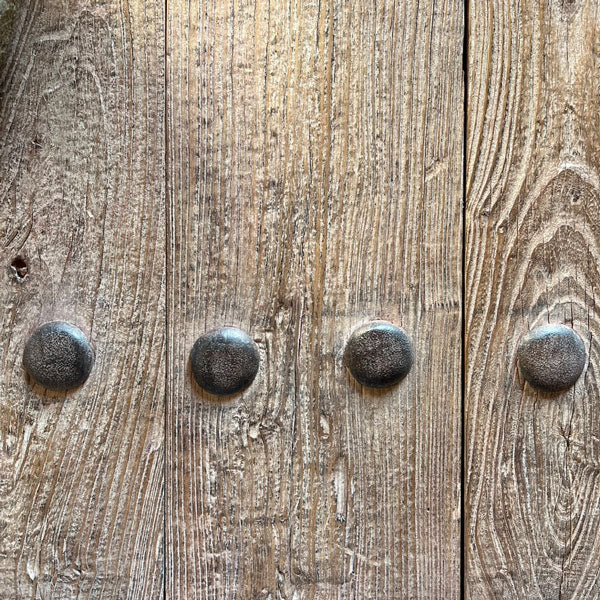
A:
82	202
532	246
314	169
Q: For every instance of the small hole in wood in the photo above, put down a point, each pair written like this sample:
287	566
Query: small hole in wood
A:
19	268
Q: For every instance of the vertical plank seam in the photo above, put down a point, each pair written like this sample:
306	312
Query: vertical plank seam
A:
465	71
167	197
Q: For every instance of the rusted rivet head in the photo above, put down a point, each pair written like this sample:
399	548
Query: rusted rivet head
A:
58	356
551	358
378	354
224	361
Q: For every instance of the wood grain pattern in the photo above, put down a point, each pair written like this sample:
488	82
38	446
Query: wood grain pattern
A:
533	235
82	200
314	165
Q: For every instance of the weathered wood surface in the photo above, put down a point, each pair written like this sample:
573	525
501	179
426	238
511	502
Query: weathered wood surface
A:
314	164
532	518
82	201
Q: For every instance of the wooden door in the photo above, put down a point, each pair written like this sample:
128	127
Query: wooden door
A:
298	169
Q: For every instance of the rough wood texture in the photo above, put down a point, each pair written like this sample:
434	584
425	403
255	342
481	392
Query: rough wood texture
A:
314	164
82	200
533	235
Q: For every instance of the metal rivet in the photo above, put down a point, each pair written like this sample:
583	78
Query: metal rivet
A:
58	356
224	361
378	354
551	358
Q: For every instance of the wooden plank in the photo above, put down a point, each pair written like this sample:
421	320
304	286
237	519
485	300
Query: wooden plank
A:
314	164
532	247
82	196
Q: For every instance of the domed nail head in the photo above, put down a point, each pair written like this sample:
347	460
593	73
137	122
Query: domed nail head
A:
58	356
378	354
224	361
551	358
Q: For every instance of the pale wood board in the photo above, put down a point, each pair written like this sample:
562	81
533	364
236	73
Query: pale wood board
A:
315	182
532	520
82	201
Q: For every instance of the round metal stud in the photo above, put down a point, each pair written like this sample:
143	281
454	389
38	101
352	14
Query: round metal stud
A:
224	361
58	356
378	354
551	358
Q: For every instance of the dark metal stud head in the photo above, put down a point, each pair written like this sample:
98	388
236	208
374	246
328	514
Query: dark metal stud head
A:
551	358
58	356
378	354
224	361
